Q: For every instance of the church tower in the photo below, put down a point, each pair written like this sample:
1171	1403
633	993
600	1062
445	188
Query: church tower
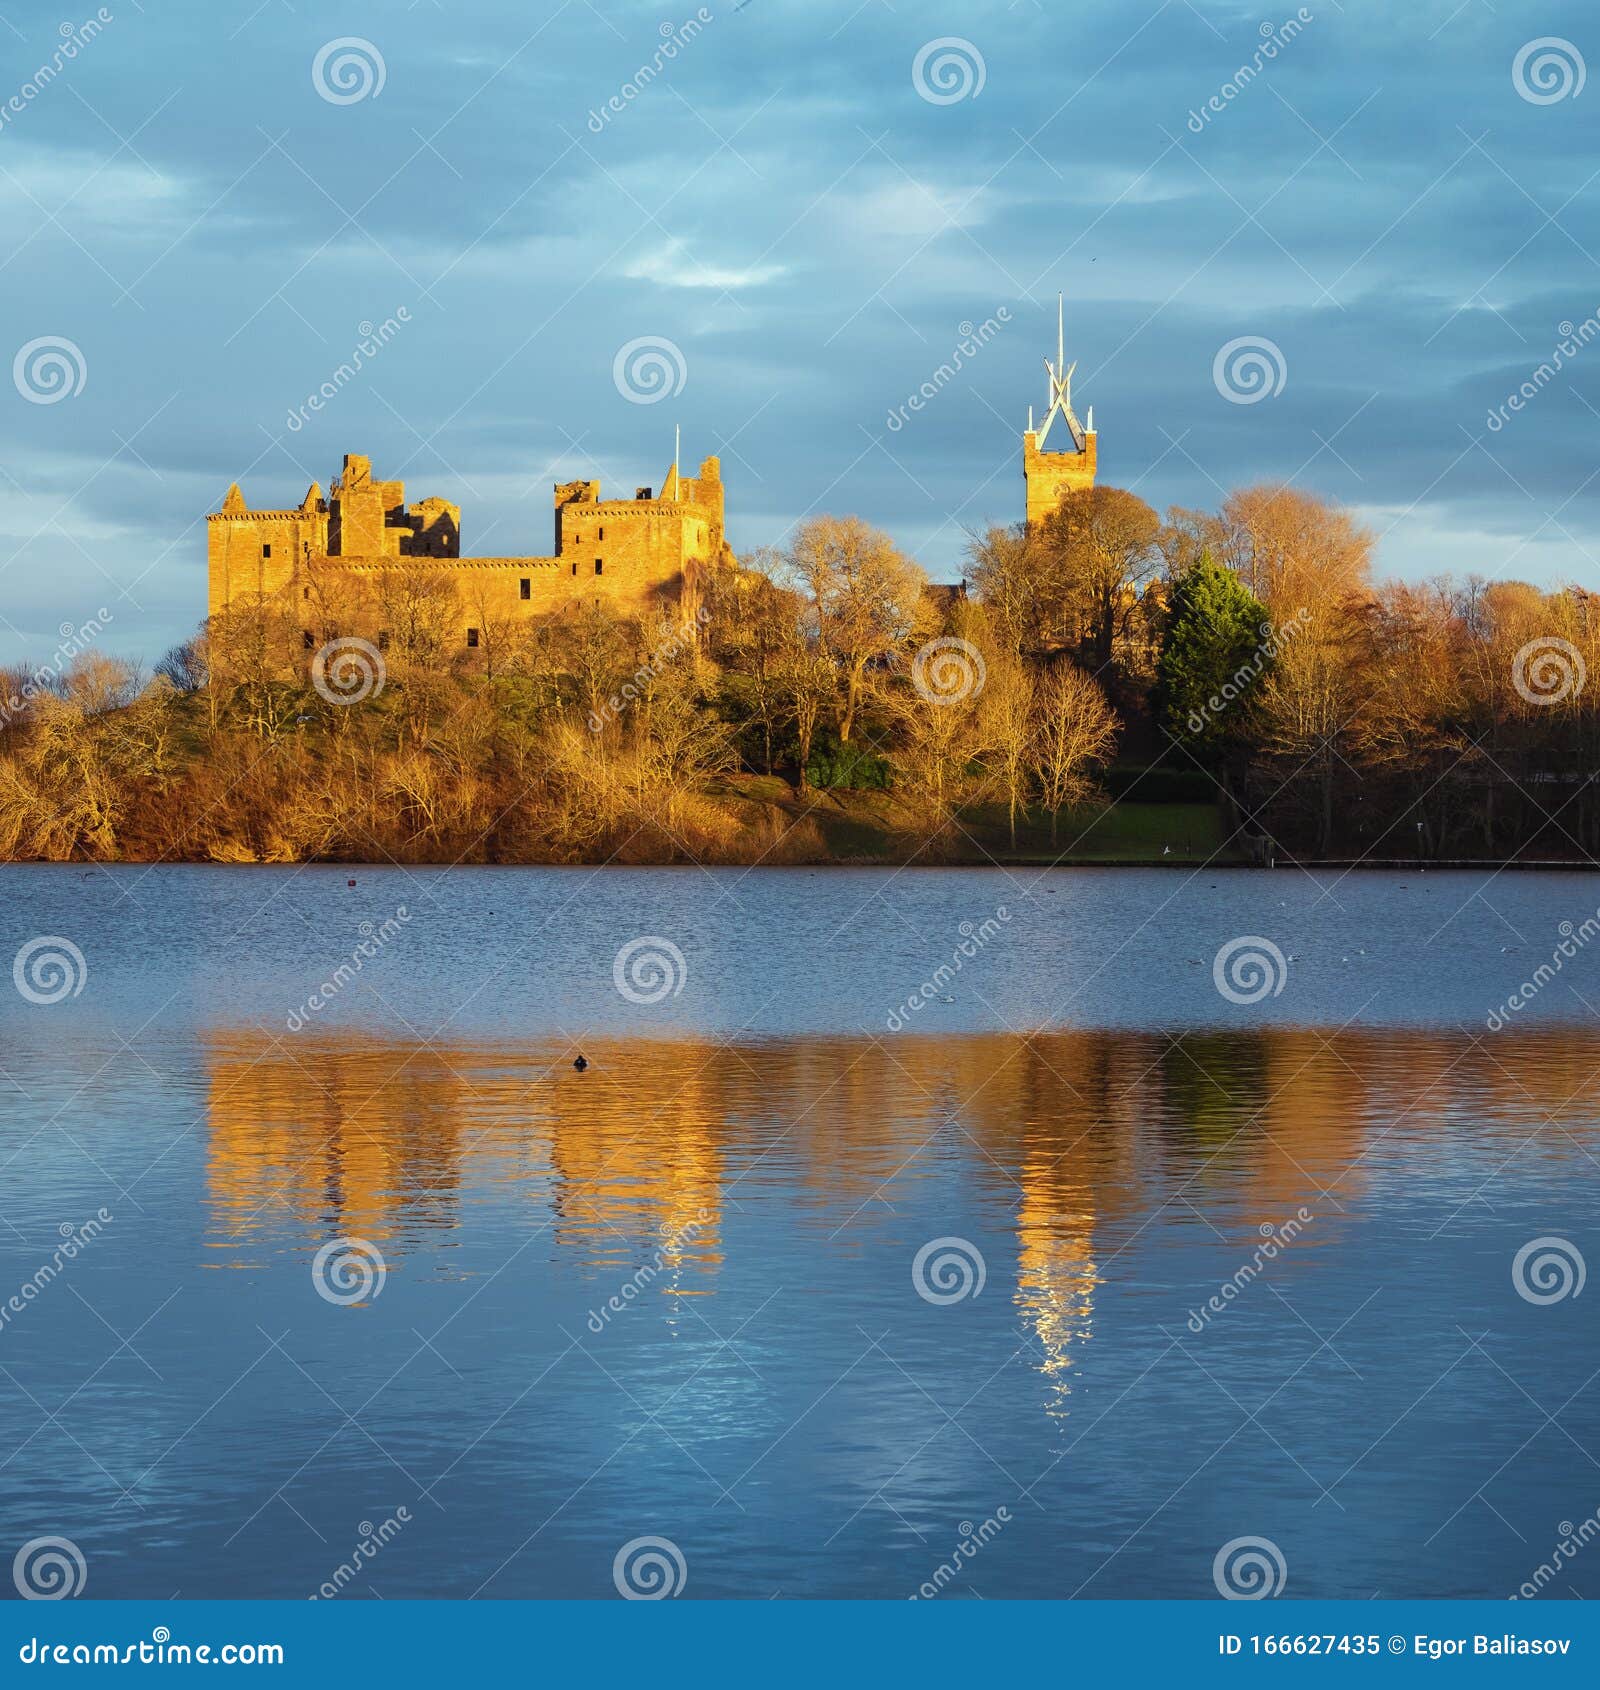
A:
1047	475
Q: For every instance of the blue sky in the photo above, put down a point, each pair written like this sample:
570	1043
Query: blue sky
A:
782	203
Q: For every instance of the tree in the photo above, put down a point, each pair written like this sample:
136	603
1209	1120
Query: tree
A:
1075	730
257	653
500	634
807	680
1005	568
869	599
938	742
187	666
1310	701
592	645
752	621
1007	717
1294	550
420	611
1217	646
1411	735
99	684
1308	561
1187	536
1104	544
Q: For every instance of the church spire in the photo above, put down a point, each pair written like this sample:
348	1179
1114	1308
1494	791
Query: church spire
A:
1060	374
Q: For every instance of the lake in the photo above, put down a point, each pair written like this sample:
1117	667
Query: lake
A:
954	1233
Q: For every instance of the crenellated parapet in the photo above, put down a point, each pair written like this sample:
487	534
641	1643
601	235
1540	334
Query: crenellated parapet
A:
255	516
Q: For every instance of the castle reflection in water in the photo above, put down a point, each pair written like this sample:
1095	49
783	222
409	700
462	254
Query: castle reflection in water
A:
1073	1139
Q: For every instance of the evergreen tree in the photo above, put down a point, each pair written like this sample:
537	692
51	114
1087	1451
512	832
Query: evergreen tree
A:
1216	650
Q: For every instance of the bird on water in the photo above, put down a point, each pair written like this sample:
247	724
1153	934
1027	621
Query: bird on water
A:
581	1063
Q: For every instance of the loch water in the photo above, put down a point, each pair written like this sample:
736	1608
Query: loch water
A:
956	1233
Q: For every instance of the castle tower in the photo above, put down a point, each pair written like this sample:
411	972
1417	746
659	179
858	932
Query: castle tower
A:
1048	475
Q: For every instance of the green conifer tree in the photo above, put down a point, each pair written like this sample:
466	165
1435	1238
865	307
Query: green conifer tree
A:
1215	652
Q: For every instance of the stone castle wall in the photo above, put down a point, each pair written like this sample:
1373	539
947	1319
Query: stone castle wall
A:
640	555
258	555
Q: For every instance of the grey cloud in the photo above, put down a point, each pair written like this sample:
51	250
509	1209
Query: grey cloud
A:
781	204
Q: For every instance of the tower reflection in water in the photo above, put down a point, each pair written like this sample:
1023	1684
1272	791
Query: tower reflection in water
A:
1075	1143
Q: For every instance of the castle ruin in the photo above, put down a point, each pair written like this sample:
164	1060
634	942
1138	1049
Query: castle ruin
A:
640	555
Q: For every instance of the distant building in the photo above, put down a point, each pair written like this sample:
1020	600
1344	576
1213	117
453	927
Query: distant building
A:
1048	475
639	555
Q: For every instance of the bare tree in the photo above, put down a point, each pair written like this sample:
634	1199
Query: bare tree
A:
1006	568
1103	541
187	666
1075	730
809	682
1294	549
1008	711
753	620
870	601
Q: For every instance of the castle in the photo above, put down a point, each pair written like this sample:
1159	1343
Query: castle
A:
1046	475
640	555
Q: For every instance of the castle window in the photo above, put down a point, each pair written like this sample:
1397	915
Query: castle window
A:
472	636
309	639
305	592
266	551
599	567
525	586
574	566
601	535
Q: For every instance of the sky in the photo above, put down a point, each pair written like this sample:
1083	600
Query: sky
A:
1335	271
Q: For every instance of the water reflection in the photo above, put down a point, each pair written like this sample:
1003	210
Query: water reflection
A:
1080	1140
674	1294
1056	1271
397	1143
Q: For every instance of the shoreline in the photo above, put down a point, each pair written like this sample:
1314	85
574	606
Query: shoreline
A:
1391	865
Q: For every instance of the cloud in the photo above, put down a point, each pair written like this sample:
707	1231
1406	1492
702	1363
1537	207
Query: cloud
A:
897	207
783	205
90	192
672	266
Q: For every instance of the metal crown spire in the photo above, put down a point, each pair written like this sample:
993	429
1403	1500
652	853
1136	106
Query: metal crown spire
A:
1060	374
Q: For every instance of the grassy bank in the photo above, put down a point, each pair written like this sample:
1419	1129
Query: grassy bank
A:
872	827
